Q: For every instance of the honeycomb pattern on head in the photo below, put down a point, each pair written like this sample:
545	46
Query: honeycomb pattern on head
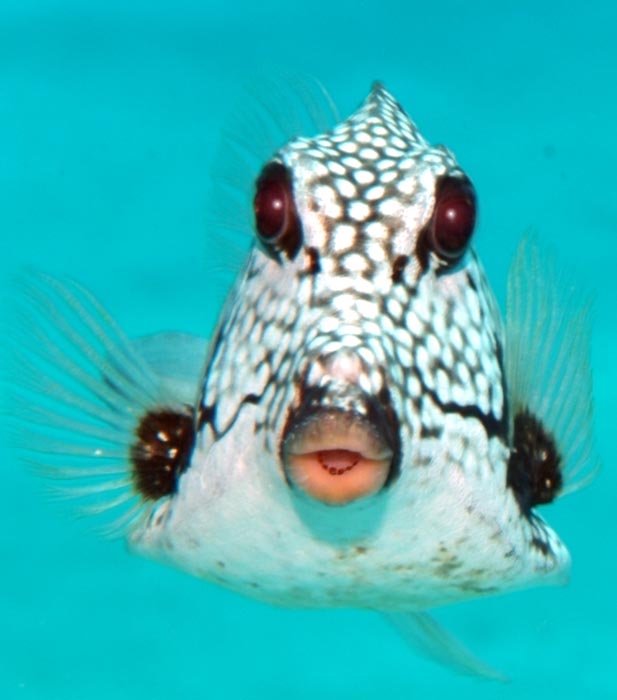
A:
363	193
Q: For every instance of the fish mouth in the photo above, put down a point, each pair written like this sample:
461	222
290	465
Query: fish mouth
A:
336	456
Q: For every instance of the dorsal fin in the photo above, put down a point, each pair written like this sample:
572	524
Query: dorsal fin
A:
270	111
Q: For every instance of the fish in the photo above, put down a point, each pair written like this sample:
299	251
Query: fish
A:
363	430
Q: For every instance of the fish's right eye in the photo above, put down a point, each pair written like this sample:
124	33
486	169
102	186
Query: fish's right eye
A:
276	218
453	219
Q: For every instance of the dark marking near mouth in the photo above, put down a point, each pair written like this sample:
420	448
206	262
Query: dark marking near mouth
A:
392	428
534	467
162	451
377	410
398	266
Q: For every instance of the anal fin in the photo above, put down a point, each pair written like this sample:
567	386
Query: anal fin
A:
430	639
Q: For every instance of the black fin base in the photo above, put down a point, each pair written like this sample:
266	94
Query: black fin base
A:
534	468
162	451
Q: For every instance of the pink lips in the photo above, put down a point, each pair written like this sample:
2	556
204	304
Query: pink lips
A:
337	458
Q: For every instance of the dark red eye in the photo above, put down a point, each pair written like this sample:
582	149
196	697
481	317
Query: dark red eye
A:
271	205
276	218
454	217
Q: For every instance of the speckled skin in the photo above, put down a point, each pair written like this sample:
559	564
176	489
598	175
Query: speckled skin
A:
446	528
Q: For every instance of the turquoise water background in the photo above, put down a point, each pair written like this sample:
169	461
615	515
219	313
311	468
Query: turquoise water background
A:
110	114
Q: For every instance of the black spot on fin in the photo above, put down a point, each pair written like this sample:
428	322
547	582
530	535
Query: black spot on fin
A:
534	468
161	453
398	267
547	358
101	417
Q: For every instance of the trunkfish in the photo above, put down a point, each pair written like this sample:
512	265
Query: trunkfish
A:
361	430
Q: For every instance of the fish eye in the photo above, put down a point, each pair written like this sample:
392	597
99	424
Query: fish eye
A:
454	217
276	219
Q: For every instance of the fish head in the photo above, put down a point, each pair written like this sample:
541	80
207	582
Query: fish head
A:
376	218
352	439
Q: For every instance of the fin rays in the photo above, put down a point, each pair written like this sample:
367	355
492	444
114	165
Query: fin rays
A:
270	113
77	389
548	359
97	343
429	638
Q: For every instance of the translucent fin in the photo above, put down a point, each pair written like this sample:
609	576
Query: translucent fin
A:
269	113
76	390
178	361
548	357
431	640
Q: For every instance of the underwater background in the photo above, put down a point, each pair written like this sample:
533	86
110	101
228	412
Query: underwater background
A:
110	116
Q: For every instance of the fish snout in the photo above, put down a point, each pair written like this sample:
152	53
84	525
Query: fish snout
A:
340	443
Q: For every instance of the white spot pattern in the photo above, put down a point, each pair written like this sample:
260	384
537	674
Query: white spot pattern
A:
364	193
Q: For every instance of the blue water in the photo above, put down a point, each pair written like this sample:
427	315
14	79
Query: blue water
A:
109	120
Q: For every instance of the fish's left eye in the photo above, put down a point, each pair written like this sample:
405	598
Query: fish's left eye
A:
453	219
276	219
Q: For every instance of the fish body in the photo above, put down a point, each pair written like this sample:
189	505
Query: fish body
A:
424	343
363	433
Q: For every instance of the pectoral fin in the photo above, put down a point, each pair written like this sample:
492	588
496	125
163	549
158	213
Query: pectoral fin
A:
177	359
109	421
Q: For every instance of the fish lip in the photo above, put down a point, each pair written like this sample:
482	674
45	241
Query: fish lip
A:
366	434
329	429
